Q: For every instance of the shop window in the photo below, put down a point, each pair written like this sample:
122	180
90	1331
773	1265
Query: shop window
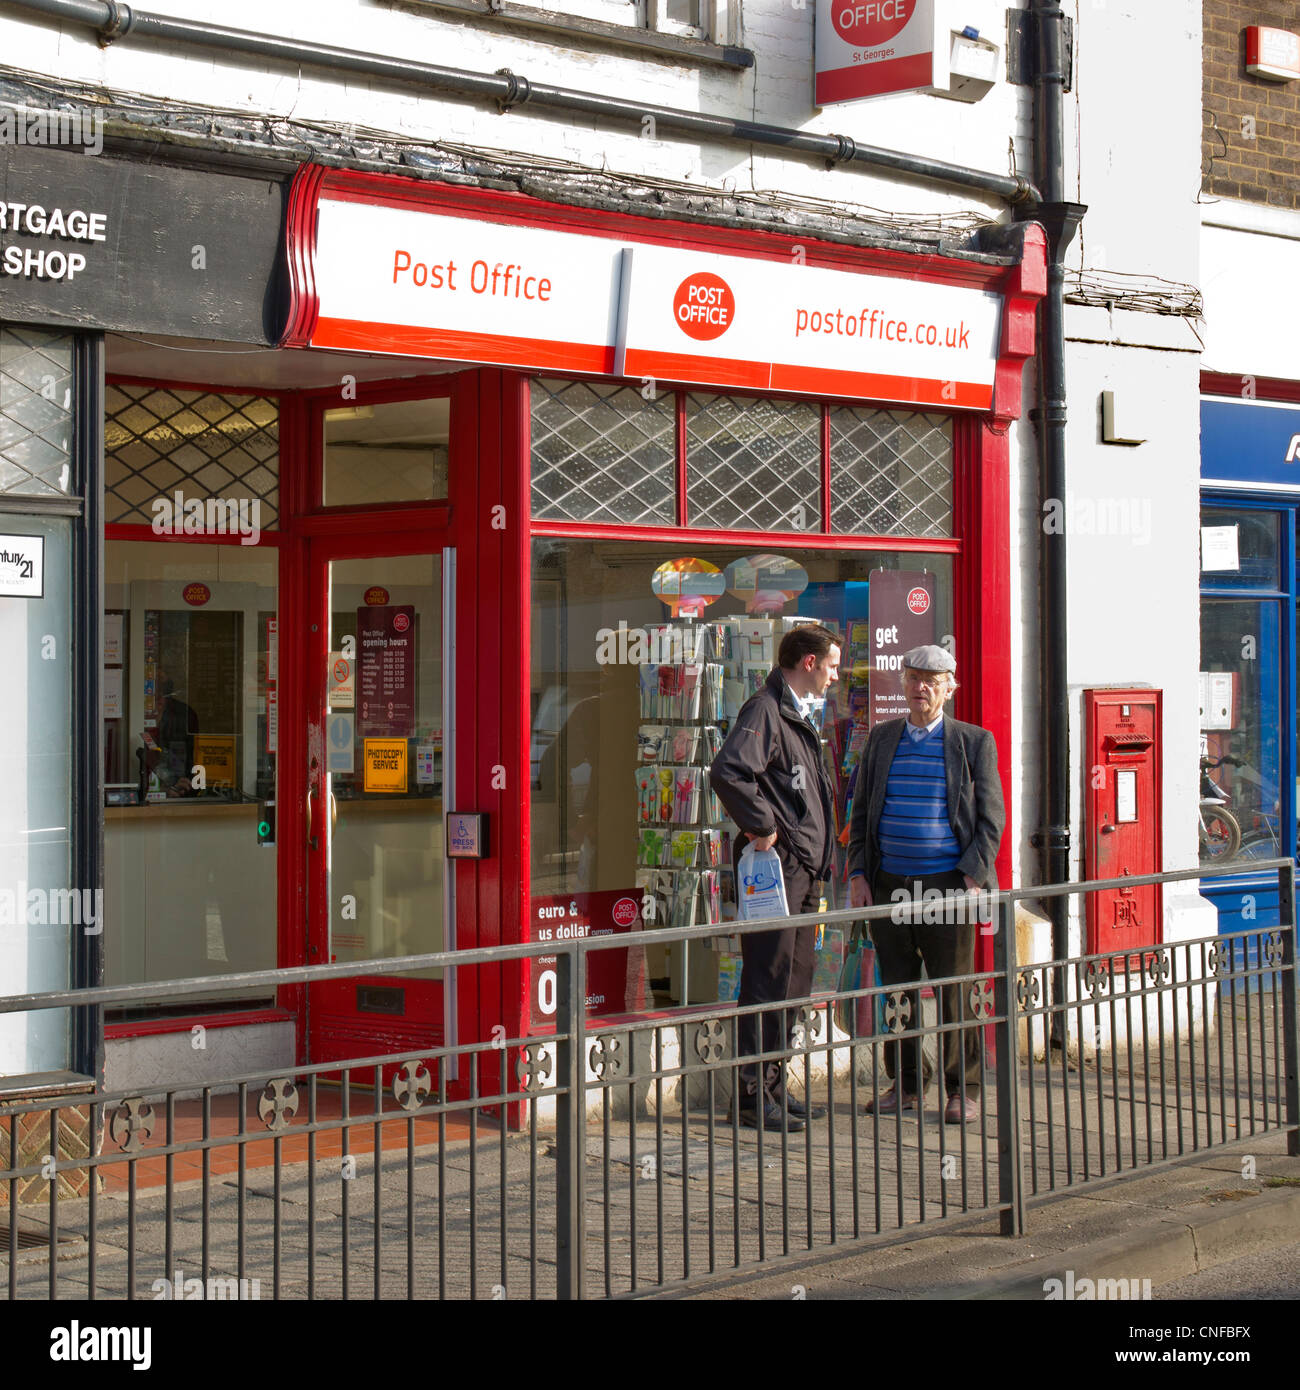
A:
395	451
1240	547
41	906
891	472
753	465
209	447
191	668
35	412
603	454
641	656
1241	811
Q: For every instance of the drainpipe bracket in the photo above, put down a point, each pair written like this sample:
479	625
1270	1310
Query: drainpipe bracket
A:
1053	837
518	90
845	150
120	20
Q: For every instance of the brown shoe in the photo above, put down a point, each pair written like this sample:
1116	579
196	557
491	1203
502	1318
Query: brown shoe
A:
890	1103
958	1112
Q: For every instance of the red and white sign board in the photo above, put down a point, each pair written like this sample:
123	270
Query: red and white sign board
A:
765	325
385	277
399	280
1272	53
866	48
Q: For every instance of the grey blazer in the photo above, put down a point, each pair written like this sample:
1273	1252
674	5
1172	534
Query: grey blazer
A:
975	809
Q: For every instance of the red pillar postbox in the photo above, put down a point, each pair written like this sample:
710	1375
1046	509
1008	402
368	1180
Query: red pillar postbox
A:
1122	834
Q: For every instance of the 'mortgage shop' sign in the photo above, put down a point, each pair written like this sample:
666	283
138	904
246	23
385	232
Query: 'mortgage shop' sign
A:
375	277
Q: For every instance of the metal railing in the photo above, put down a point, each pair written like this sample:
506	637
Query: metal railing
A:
602	1159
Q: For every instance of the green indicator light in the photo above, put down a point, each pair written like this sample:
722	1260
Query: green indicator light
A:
263	827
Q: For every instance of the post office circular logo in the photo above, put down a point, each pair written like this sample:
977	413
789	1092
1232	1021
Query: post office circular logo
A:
865	23
626	911
401	622
196	595
704	306
919	600
376	596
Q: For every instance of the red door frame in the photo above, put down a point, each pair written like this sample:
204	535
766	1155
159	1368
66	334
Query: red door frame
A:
354	533
424	1023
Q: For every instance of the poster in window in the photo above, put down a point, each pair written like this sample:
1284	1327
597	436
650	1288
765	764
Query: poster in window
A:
385	675
902	617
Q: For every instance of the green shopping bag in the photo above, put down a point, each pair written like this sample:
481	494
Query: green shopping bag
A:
854	1016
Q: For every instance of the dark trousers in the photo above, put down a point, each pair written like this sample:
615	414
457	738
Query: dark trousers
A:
945	948
775	966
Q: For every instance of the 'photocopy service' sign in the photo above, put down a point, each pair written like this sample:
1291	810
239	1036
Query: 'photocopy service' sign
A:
865	48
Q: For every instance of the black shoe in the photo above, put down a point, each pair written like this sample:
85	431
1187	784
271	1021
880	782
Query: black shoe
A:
773	1119
799	1111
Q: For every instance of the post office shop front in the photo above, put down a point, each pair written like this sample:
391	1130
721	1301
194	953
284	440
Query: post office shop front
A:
514	513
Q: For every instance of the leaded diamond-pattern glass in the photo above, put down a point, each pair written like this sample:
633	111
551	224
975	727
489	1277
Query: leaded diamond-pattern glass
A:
160	440
753	465
891	472
603	454
35	412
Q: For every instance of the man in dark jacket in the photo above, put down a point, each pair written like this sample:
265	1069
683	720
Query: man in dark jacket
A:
927	819
772	781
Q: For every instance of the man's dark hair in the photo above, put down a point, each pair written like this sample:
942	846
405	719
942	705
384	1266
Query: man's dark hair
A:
808	639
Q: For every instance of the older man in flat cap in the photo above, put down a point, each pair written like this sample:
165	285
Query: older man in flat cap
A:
927	815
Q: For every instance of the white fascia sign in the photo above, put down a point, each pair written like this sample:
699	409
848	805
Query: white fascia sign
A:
423	284
867	48
772	326
397	280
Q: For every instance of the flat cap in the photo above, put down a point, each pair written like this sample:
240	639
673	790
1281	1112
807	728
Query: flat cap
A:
929	658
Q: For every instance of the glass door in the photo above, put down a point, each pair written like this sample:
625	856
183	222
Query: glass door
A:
376	877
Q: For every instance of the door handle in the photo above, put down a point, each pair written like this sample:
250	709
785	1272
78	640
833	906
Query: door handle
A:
313	841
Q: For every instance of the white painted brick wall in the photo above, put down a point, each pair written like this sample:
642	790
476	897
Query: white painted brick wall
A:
777	91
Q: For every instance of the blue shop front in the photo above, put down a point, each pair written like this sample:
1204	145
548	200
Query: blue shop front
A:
1250	498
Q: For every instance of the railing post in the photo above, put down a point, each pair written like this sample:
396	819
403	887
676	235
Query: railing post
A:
570	1121
1011	1196
1290	1018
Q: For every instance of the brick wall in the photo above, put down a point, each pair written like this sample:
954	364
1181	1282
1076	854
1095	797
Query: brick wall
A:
72	1126
1249	142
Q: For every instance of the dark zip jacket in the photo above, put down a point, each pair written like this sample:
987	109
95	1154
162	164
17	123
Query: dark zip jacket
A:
770	776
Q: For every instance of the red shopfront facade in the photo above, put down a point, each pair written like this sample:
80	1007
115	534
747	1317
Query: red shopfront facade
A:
455	622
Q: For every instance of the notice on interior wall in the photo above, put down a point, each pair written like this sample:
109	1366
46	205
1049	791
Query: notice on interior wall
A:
113	693
113	635
215	753
1219	549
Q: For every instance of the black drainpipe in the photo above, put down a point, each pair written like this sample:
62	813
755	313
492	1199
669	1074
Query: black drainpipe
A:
1060	219
112	21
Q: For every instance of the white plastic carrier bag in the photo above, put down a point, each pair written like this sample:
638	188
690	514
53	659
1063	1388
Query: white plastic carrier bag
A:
760	884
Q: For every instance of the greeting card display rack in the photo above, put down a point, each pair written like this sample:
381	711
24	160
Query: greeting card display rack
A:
684	836
695	679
